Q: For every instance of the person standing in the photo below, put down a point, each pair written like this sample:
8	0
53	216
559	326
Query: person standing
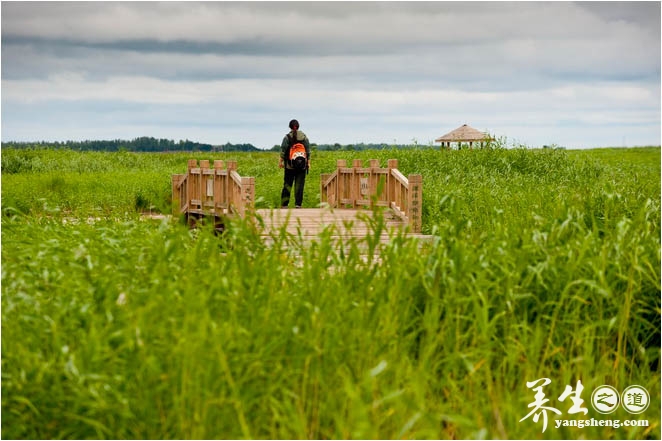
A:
295	159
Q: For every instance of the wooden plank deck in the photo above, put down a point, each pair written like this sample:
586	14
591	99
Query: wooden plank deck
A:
309	222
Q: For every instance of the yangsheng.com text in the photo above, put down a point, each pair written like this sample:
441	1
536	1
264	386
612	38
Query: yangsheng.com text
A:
600	423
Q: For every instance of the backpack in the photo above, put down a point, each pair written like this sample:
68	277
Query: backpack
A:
297	155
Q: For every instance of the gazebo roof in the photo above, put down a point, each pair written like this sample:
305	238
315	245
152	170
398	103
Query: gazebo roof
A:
463	133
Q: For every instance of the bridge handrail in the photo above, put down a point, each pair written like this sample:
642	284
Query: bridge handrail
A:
212	191
398	176
368	186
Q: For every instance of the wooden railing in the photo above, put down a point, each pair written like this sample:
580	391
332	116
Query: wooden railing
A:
369	186
214	191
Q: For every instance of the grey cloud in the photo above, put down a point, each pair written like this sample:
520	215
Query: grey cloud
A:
641	13
310	29
248	46
499	65
61	45
376	23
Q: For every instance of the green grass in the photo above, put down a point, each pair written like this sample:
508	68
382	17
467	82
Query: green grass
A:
543	264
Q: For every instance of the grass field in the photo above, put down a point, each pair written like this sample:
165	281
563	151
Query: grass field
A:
544	264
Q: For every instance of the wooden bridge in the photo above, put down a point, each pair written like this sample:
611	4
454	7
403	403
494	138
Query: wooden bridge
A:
349	198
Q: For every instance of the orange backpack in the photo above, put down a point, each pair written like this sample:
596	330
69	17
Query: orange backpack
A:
297	155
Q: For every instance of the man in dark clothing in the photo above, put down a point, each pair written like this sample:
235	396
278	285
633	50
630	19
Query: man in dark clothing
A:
293	175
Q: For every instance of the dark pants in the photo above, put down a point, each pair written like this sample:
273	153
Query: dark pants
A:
298	178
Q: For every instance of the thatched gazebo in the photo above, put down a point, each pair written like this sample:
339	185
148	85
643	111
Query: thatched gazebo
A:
466	134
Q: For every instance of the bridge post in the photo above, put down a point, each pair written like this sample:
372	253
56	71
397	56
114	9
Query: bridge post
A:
415	202
247	195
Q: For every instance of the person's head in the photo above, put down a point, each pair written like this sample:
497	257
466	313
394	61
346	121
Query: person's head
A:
294	125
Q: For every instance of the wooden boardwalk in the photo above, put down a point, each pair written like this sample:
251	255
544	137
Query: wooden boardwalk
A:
351	196
310	222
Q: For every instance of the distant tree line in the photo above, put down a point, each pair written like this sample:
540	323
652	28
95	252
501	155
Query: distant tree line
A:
150	144
357	147
142	144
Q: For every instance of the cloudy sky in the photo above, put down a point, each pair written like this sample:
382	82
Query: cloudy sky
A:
573	74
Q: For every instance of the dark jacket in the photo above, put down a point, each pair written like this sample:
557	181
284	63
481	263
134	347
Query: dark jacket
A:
285	145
